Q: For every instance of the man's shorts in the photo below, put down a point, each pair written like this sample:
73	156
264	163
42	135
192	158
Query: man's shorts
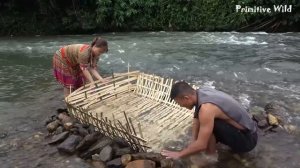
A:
239	141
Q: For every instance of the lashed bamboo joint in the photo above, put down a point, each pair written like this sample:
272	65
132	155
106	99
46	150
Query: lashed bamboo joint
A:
134	106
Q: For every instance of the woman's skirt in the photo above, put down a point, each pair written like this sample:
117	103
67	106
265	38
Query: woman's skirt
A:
66	74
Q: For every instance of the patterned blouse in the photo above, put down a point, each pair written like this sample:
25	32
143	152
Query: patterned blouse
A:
78	54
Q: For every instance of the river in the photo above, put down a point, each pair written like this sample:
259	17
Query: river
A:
256	68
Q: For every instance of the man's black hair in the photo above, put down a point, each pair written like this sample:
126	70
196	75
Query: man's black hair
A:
180	89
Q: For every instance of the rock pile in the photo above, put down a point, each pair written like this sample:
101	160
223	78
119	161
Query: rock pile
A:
274	118
71	137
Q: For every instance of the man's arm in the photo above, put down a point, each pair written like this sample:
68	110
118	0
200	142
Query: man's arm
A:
206	119
195	129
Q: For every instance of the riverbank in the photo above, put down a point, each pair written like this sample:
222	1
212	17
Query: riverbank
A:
90	17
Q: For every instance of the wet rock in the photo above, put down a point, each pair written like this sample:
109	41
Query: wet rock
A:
203	160
91	129
37	136
88	141
85	126
98	164
82	132
51	127
74	131
122	151
68	125
3	135
50	119
58	138
261	120
272	120
60	110
69	145
77	125
114	163
96	148
106	153
96	157
121	142
66	120
274	128
262	124
166	163
59	130
156	157
275	110
141	164
256	110
291	128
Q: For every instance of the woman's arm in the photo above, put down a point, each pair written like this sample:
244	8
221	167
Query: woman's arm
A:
96	74
94	71
87	75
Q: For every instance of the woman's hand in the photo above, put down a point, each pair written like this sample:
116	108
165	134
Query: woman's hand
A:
103	80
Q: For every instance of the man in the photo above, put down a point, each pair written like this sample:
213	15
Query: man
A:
217	118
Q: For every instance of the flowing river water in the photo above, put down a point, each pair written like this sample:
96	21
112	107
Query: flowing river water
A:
256	68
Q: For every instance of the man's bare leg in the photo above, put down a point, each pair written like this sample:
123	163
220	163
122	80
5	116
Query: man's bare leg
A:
202	160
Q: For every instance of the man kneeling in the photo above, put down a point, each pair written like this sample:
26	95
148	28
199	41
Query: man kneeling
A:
217	118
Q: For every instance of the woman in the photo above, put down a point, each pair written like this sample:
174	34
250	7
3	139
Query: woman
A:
75	64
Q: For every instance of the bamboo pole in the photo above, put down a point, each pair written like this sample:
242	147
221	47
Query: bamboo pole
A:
140	130
103	88
132	127
127	123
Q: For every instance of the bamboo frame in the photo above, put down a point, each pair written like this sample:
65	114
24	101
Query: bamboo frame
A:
134	106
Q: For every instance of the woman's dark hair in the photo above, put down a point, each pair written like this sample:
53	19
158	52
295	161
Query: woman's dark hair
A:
99	42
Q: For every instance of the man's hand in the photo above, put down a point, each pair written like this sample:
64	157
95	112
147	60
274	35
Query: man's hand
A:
170	154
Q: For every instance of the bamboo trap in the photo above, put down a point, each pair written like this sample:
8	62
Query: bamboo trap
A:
134	106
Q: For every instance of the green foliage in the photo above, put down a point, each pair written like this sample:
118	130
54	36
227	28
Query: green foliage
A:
91	16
